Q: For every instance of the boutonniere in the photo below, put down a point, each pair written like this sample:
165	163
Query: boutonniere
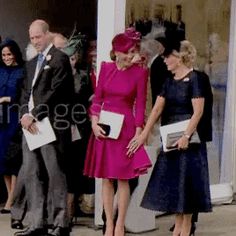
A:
186	79
46	67
48	57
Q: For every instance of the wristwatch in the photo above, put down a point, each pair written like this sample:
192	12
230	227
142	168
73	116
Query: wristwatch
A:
186	136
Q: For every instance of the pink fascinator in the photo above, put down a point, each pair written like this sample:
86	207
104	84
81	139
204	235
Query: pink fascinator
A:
124	41
133	34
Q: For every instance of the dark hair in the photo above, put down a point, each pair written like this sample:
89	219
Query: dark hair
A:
14	49
112	55
171	45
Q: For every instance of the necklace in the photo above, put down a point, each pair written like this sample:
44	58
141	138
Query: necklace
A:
182	73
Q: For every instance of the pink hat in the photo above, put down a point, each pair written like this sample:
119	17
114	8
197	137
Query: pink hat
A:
124	41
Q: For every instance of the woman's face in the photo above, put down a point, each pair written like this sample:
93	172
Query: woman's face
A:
173	62
7	57
73	60
126	58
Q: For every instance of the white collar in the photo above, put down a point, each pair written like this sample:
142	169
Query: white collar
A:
46	50
152	59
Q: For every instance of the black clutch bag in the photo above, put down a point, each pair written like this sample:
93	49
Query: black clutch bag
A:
106	128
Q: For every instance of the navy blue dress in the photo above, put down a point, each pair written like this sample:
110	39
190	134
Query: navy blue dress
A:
10	84
180	181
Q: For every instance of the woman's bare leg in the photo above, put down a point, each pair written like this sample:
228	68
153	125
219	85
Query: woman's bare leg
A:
70	205
108	200
123	197
10	182
186	227
178	224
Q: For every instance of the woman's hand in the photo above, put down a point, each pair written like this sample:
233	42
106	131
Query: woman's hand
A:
98	131
135	144
5	99
182	143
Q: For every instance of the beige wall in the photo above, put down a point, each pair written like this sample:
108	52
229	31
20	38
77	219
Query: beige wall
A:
202	18
207	26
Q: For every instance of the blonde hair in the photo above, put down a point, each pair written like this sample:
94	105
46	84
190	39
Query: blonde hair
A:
187	53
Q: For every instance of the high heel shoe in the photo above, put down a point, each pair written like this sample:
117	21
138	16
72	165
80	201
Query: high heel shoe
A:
171	229
192	230
5	211
16	224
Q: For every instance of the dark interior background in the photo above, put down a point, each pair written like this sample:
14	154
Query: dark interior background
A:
62	16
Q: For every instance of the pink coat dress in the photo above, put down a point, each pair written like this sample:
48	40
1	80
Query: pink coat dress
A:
122	92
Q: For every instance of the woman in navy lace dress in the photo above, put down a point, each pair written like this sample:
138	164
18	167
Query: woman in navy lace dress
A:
179	182
11	76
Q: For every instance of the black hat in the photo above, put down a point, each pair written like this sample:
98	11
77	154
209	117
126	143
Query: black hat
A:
162	40
172	45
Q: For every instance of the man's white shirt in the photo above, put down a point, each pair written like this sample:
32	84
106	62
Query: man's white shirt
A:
38	67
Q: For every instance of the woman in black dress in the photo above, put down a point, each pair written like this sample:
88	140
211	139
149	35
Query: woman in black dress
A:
180	182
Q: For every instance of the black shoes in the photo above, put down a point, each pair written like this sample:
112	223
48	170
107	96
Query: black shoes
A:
172	228
193	228
59	231
5	211
16	224
31	232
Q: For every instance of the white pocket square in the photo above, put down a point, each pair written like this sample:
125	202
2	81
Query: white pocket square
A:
46	67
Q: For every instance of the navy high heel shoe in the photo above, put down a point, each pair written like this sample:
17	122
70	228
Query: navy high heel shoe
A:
192	230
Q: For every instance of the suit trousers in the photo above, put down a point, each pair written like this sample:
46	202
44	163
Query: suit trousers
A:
45	187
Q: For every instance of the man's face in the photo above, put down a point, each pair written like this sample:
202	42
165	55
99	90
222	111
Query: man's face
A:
38	38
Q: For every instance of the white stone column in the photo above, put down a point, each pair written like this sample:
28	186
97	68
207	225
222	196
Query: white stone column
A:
111	20
228	167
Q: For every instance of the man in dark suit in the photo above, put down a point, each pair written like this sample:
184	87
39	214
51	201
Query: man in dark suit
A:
47	92
158	70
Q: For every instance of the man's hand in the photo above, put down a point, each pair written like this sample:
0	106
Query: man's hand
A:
28	123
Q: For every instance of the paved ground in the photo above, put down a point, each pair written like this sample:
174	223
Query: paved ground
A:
222	222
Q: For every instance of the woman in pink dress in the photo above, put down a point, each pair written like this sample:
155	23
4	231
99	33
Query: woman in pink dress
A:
122	89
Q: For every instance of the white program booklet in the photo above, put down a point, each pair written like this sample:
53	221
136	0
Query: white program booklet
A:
75	134
44	136
176	129
114	120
